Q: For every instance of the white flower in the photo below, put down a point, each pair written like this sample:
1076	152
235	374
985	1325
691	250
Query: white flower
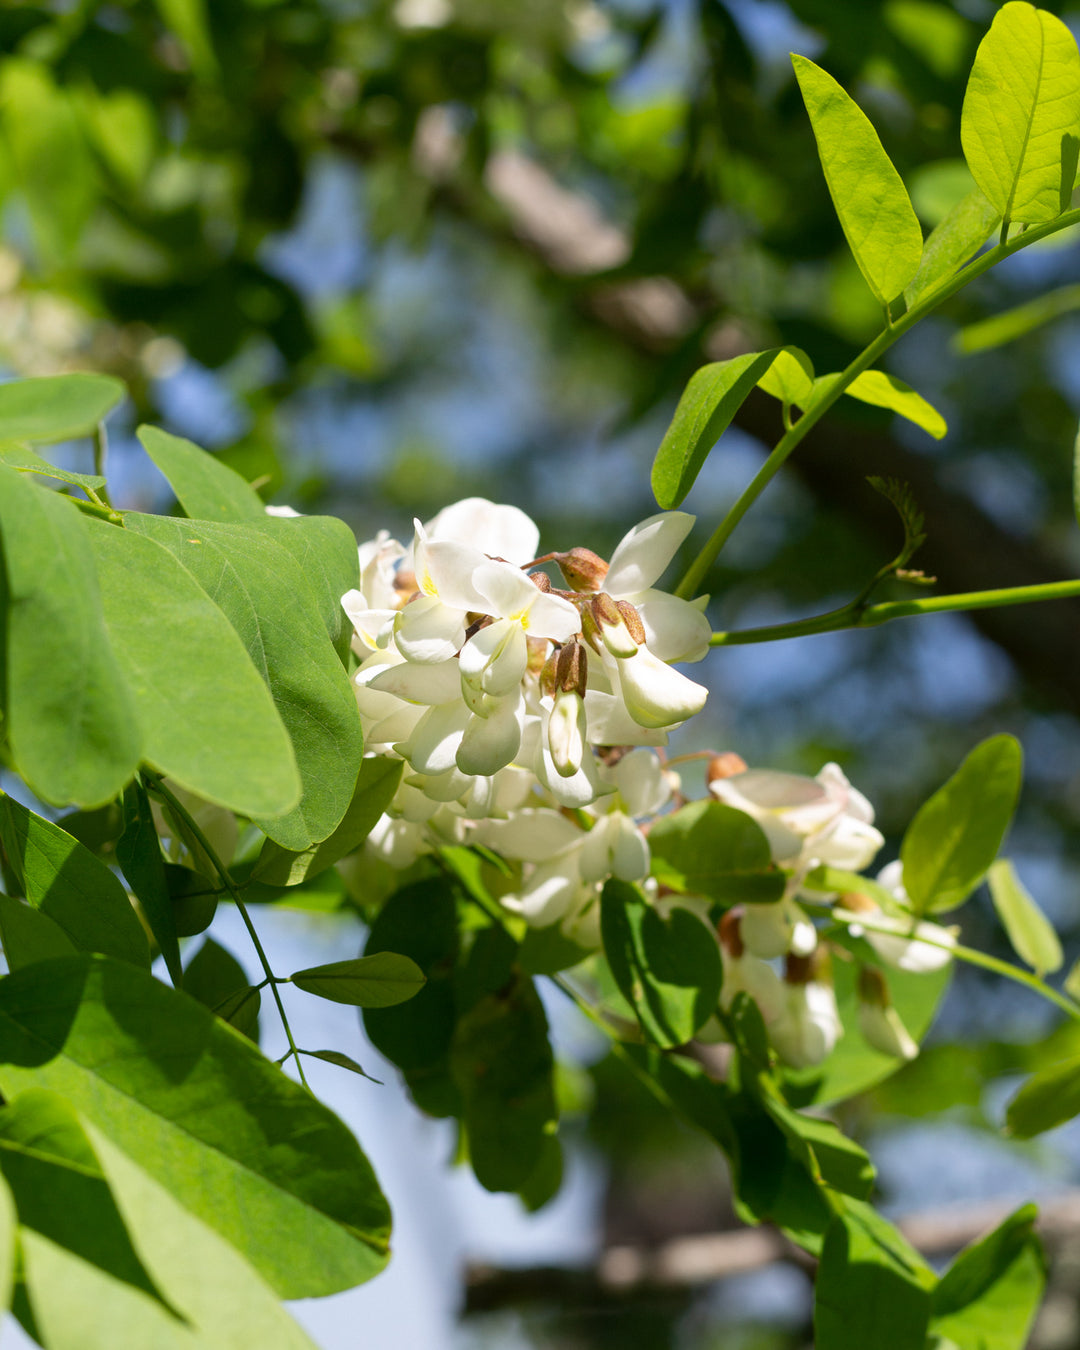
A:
806	820
431	627
675	629
808	1026
879	1021
642	782
655	694
775	929
911	944
499	531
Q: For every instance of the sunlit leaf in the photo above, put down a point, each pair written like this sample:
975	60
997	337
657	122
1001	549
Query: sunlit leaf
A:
1021	114
886	391
871	201
22	457
206	488
790	378
56	407
1049	1098
709	402
951	243
28	935
708	848
1014	323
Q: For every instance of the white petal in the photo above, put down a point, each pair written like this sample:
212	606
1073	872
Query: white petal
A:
551	616
850	845
630	856
496	657
581	789
507	592
766	930
749	974
883	1029
655	694
640	780
644	553
534	835
427	683
397	842
444	787
435	739
905	951
501	531
426	630
547	895
566	733
611	724
490	743
675	630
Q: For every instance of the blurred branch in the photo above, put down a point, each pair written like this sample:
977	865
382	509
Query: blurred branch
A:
684	1263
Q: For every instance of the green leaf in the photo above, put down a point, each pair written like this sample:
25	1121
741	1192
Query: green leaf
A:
668	969
1014	323
1071	983
375	787
206	717
708	848
22	457
872	1289
1030	931
377	981
709	402
28	935
206	488
59	1191
8	1222
988	1298
267	599
138	852
421	922
204	1277
341	1061
217	979
194	900
70	886
199	1108
70	728
871	201
951	243
955	836
1021	110
790	378
1049	1098
325	549
546	951
502	1064
886	391
52	408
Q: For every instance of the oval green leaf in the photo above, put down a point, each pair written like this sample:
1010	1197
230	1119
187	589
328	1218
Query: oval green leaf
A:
22	457
1021	114
266	597
708	848
886	391
667	967
952	242
709	402
52	408
378	981
790	378
955	836
206	717
1048	1099
1030	931
871	201
70	726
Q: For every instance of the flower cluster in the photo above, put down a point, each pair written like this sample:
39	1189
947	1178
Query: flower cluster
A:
531	719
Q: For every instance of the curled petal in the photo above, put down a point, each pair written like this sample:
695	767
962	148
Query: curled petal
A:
553	889
495	658
567	730
533	835
429	683
655	694
675	630
426	630
644	553
640	780
433	745
882	1027
611	724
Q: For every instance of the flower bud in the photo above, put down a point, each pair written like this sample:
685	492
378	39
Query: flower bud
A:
879	1021
583	569
566	732
617	636
728	930
549	679
725	765
572	669
541	581
858	903
632	619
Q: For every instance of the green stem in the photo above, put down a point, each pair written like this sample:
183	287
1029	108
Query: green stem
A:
698	569
972	957
856	615
101	455
230	886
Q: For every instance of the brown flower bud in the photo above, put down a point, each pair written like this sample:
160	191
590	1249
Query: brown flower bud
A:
730	934
724	765
540	580
549	679
583	569
632	619
572	669
802	969
604	609
405	583
590	629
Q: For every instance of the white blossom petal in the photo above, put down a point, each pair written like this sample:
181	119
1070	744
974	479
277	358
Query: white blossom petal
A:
675	630
501	531
491	742
429	683
656	695
533	835
426	630
433	745
644	553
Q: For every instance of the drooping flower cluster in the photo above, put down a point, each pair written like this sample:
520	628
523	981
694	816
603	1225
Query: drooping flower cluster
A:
530	719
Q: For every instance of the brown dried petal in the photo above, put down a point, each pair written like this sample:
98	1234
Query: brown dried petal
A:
572	670
583	569
632	619
724	765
